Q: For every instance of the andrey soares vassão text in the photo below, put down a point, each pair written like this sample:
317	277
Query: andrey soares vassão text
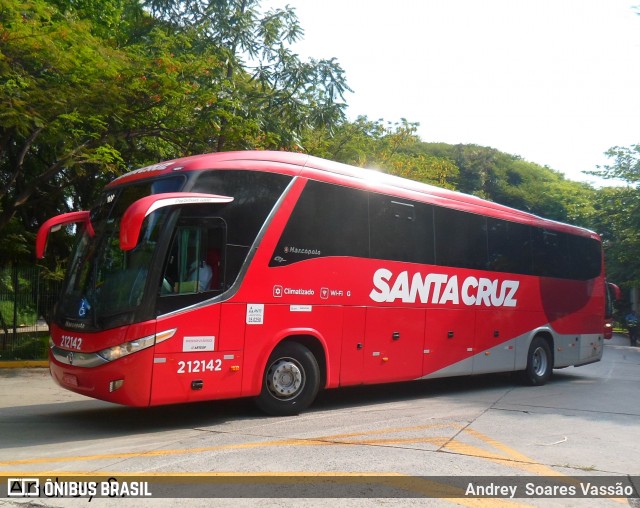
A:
533	490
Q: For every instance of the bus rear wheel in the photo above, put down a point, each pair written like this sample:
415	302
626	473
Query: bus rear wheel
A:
539	363
291	380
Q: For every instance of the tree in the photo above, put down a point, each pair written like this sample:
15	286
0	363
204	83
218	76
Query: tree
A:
625	167
509	180
618	222
268	96
54	78
392	147
618	215
90	89
74	107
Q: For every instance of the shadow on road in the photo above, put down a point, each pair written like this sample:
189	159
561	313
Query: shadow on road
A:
75	421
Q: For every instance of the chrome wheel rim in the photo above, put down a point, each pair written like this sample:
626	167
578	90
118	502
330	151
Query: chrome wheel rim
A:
539	361
285	378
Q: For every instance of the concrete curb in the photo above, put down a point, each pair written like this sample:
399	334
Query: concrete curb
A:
24	364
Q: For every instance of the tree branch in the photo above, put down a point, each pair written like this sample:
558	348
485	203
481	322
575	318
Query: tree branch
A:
20	162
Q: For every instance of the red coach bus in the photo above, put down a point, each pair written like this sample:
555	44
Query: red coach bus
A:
272	275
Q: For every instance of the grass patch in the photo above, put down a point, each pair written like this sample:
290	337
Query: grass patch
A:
26	346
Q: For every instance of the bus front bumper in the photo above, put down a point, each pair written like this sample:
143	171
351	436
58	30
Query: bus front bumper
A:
124	381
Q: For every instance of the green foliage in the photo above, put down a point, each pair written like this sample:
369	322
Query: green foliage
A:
57	85
15	241
15	290
90	89
618	220
29	346
387	146
265	95
512	181
25	314
625	167
618	215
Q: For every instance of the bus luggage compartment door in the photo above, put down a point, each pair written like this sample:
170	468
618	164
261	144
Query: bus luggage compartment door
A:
449	342
393	344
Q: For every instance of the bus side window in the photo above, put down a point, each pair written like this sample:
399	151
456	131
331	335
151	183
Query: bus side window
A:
400	230
551	256
461	239
509	247
193	264
328	220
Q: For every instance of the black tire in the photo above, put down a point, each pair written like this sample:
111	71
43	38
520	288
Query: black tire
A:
539	363
290	382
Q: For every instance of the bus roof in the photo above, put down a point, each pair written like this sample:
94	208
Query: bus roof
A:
298	164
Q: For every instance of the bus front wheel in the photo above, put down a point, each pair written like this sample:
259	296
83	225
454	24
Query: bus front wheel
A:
290	382
539	363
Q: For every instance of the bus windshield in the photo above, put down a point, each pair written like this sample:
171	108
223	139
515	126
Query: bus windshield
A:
105	281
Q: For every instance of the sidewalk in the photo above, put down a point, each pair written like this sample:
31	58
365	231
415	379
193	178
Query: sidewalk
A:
618	339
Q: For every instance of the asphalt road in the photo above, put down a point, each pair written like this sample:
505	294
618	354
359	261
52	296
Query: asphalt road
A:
407	437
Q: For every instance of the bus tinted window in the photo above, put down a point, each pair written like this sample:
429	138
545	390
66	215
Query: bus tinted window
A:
586	258
401	230
551	254
328	220
254	195
509	246
331	220
461	239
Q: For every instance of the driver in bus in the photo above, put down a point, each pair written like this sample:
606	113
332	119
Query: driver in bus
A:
202	273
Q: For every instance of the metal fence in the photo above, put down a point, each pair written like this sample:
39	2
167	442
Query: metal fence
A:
27	298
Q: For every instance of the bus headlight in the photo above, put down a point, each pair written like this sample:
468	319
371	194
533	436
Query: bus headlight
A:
121	350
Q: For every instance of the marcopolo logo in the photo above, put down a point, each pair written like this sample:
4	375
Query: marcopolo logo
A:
439	288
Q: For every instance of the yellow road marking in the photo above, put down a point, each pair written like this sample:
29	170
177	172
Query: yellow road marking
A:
504	455
513	457
319	441
160	453
517	459
393	430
